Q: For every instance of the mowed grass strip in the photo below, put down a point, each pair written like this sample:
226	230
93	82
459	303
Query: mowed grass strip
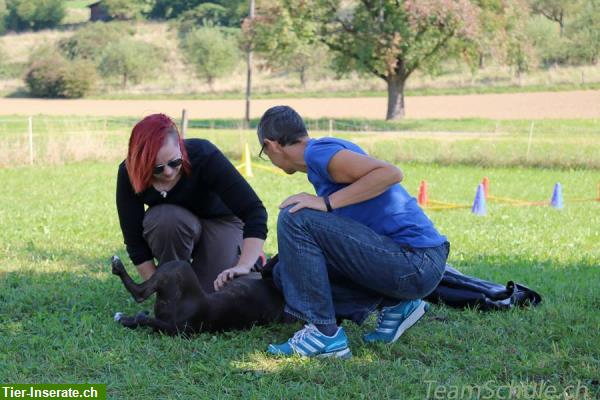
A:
57	297
564	144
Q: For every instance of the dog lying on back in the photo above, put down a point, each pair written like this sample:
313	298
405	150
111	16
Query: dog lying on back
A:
182	306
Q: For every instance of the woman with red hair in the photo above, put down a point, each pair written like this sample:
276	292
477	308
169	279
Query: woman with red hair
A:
183	200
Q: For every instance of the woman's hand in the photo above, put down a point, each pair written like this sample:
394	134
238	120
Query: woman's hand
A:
230	274
304	200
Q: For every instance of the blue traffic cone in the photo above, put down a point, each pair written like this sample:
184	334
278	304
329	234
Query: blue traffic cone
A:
557	197
479	202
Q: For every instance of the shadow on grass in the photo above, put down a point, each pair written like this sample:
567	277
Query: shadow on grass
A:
58	327
20	93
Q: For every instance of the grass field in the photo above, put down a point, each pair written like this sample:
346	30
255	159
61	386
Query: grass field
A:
57	296
564	144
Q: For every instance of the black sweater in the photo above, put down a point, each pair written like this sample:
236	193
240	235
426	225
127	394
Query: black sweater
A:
213	189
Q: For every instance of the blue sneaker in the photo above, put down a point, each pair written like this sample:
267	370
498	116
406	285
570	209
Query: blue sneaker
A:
394	321
310	342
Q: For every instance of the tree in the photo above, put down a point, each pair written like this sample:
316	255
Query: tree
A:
125	9
34	14
3	14
390	39
130	59
206	14
213	53
549	46
89	42
555	10
51	75
584	33
273	35
502	27
235	10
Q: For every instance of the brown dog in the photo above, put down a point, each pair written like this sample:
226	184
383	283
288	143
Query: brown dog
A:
183	307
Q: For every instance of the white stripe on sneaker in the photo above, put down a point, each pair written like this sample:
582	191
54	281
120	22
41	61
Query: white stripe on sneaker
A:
411	320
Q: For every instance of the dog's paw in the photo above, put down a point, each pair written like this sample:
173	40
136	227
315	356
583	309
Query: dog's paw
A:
142	316
117	266
118	316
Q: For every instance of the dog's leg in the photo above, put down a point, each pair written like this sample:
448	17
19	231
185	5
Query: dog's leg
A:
140	292
143	319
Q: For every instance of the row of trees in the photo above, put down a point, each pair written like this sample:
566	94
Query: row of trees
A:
389	39
72	67
22	15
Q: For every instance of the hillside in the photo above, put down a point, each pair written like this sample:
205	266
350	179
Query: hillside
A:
177	80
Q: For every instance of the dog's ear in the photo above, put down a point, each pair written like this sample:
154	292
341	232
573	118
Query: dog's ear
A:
267	270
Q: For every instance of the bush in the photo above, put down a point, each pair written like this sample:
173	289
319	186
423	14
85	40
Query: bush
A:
125	9
207	14
89	42
132	60
549	46
235	10
34	14
212	53
51	75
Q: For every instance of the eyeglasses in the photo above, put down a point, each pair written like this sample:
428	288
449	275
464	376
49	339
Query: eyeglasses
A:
160	168
262	149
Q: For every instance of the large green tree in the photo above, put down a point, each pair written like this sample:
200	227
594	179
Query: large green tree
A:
212	52
556	10
285	46
390	39
131	60
90	41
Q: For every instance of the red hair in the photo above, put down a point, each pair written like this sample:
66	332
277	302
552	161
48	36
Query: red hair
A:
147	137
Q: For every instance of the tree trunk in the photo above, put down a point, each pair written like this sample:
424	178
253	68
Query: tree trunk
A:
303	77
561	23
125	80
395	87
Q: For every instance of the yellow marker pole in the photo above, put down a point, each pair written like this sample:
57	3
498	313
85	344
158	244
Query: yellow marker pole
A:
247	162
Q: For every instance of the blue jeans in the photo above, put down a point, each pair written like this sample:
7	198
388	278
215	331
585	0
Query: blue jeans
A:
333	267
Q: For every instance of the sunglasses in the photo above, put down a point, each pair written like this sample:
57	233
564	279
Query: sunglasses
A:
159	169
262	149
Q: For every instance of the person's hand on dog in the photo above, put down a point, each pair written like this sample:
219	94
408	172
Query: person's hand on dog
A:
230	274
304	200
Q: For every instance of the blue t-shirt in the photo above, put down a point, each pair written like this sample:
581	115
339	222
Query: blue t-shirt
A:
394	213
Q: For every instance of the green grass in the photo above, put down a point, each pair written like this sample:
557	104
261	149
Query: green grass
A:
57	297
78	4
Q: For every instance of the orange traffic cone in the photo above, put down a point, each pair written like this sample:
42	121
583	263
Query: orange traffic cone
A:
423	198
486	186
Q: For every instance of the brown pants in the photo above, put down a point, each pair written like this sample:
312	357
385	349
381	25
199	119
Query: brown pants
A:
213	245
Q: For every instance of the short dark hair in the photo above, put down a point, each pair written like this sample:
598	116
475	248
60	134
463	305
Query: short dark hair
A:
282	124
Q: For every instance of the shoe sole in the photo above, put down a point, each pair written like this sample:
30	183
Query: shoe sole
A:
411	320
343	354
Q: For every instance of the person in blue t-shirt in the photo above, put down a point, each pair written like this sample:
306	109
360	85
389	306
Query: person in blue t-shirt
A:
360	244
